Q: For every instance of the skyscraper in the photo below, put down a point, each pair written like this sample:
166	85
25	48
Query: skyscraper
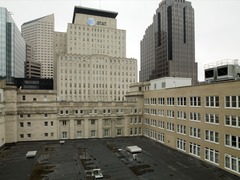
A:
38	34
168	46
91	63
12	48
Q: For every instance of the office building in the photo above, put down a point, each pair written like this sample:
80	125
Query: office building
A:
168	46
91	63
39	34
202	121
32	68
12	48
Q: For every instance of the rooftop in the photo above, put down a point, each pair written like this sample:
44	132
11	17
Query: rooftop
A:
94	12
74	158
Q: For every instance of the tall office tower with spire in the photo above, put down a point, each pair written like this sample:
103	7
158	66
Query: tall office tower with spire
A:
12	48
38	34
168	46
90	58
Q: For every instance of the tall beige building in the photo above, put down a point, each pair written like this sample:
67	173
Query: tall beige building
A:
39	34
91	58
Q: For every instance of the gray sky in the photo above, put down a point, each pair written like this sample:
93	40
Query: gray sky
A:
217	22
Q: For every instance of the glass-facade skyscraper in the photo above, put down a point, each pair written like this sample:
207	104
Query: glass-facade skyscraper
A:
168	46
12	48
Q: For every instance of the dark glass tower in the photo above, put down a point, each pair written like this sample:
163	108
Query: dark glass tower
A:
12	48
168	46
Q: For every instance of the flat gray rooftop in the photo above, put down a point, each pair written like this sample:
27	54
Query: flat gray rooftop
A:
74	158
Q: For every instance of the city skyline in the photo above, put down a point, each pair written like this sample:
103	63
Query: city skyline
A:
215	23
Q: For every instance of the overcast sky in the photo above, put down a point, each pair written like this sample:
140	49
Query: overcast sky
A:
217	22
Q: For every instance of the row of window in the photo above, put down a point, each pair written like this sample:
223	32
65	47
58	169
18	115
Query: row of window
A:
93	133
90	111
195	101
233	121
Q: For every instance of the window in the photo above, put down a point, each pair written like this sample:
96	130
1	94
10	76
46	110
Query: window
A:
212	136
153	134
212	101
139	130
45	123
131	131
195	116
61	112
79	122
194	132
119	132
160	112
161	101
146	101
170	101
93	121
28	115
170	126
212	155
140	120
181	129
29	135
146	132
170	113
181	101
153	112
181	144
232	163
194	149
232	141
233	121
106	122
64	135
195	101
153	101
21	135
21	124
147	121
135	131
45	115
93	133
153	122
232	101
181	115
46	134
51	123
212	118
29	124
146	111
161	124
23	97
160	137
135	120
106	132
64	123
20	115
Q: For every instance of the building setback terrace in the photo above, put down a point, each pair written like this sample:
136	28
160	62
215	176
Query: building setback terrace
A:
74	159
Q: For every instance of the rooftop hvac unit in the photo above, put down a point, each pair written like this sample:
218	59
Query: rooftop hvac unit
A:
210	74
228	71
